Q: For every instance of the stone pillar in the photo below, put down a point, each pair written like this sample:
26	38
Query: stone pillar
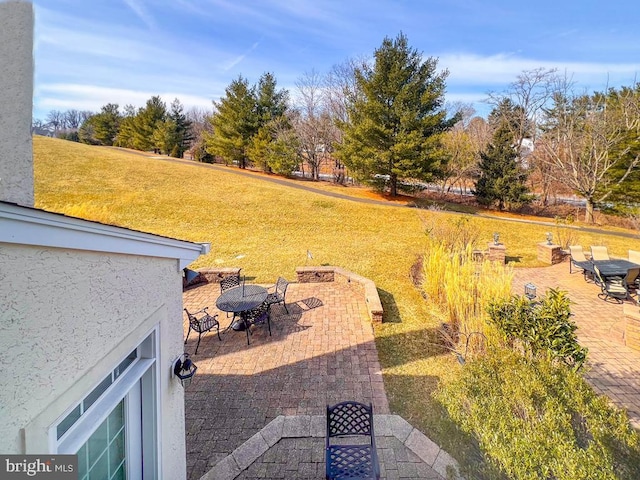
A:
497	253
550	254
16	102
632	326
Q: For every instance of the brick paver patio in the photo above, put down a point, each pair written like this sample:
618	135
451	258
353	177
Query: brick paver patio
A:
613	369
321	353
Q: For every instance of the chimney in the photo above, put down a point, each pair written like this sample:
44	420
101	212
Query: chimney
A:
16	102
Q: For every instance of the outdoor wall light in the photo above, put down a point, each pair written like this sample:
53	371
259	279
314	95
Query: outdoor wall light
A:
184	369
189	275
549	238
496	238
530	291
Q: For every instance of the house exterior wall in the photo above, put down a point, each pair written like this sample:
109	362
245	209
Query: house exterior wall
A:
16	102
67	318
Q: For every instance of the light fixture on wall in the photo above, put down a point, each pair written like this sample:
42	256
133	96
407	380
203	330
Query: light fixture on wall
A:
530	291
496	238
189	275
184	369
549	238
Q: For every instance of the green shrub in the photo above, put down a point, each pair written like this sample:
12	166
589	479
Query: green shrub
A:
539	421
541	328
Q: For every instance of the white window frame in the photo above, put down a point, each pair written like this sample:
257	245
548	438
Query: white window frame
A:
138	385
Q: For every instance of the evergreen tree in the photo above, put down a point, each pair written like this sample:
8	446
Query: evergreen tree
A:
180	130
502	179
101	128
396	119
270	102
234	123
126	132
146	122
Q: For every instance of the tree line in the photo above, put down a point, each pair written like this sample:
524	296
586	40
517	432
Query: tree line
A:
383	121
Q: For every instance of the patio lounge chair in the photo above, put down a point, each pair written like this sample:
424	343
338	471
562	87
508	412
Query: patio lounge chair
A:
202	322
578	259
279	293
611	287
633	279
357	459
599	253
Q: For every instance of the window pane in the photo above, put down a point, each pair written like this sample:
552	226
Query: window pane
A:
96	392
82	462
125	363
100	470
98	443
69	420
116	453
116	421
103	455
120	474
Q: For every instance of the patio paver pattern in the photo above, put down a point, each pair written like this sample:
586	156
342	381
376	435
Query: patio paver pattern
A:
322	352
612	368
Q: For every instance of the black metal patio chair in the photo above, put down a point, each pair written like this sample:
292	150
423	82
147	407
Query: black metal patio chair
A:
350	443
256	316
201	322
230	282
279	293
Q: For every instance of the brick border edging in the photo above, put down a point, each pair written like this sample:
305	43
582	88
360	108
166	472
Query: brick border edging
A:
340	275
314	426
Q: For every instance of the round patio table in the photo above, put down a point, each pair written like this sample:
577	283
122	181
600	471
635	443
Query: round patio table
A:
241	299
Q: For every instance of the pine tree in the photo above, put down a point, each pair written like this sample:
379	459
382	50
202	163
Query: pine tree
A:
502	179
397	116
234	122
146	122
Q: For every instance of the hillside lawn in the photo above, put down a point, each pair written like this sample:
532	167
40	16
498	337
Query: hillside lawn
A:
267	229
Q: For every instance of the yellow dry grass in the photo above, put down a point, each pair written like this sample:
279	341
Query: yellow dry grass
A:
266	229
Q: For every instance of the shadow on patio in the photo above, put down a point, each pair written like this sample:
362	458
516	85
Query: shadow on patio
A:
315	356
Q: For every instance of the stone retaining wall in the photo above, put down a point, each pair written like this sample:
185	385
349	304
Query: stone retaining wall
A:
211	275
340	275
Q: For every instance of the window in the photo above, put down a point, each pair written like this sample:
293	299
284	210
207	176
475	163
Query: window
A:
114	426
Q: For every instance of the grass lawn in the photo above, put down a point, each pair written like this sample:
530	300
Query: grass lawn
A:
266	229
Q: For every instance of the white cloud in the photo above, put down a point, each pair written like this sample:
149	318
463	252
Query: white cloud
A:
240	58
503	68
91	97
142	13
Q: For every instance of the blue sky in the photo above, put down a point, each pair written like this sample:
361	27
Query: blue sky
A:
92	52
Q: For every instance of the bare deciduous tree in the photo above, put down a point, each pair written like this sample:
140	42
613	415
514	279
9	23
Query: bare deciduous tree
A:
312	121
72	119
56	119
200	128
584	138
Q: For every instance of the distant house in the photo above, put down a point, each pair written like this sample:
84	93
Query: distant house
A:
90	314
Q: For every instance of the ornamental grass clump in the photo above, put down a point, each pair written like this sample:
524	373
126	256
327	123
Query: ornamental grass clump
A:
461	288
536	420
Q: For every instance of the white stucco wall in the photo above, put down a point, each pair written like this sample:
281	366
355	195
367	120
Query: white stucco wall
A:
16	102
67	317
